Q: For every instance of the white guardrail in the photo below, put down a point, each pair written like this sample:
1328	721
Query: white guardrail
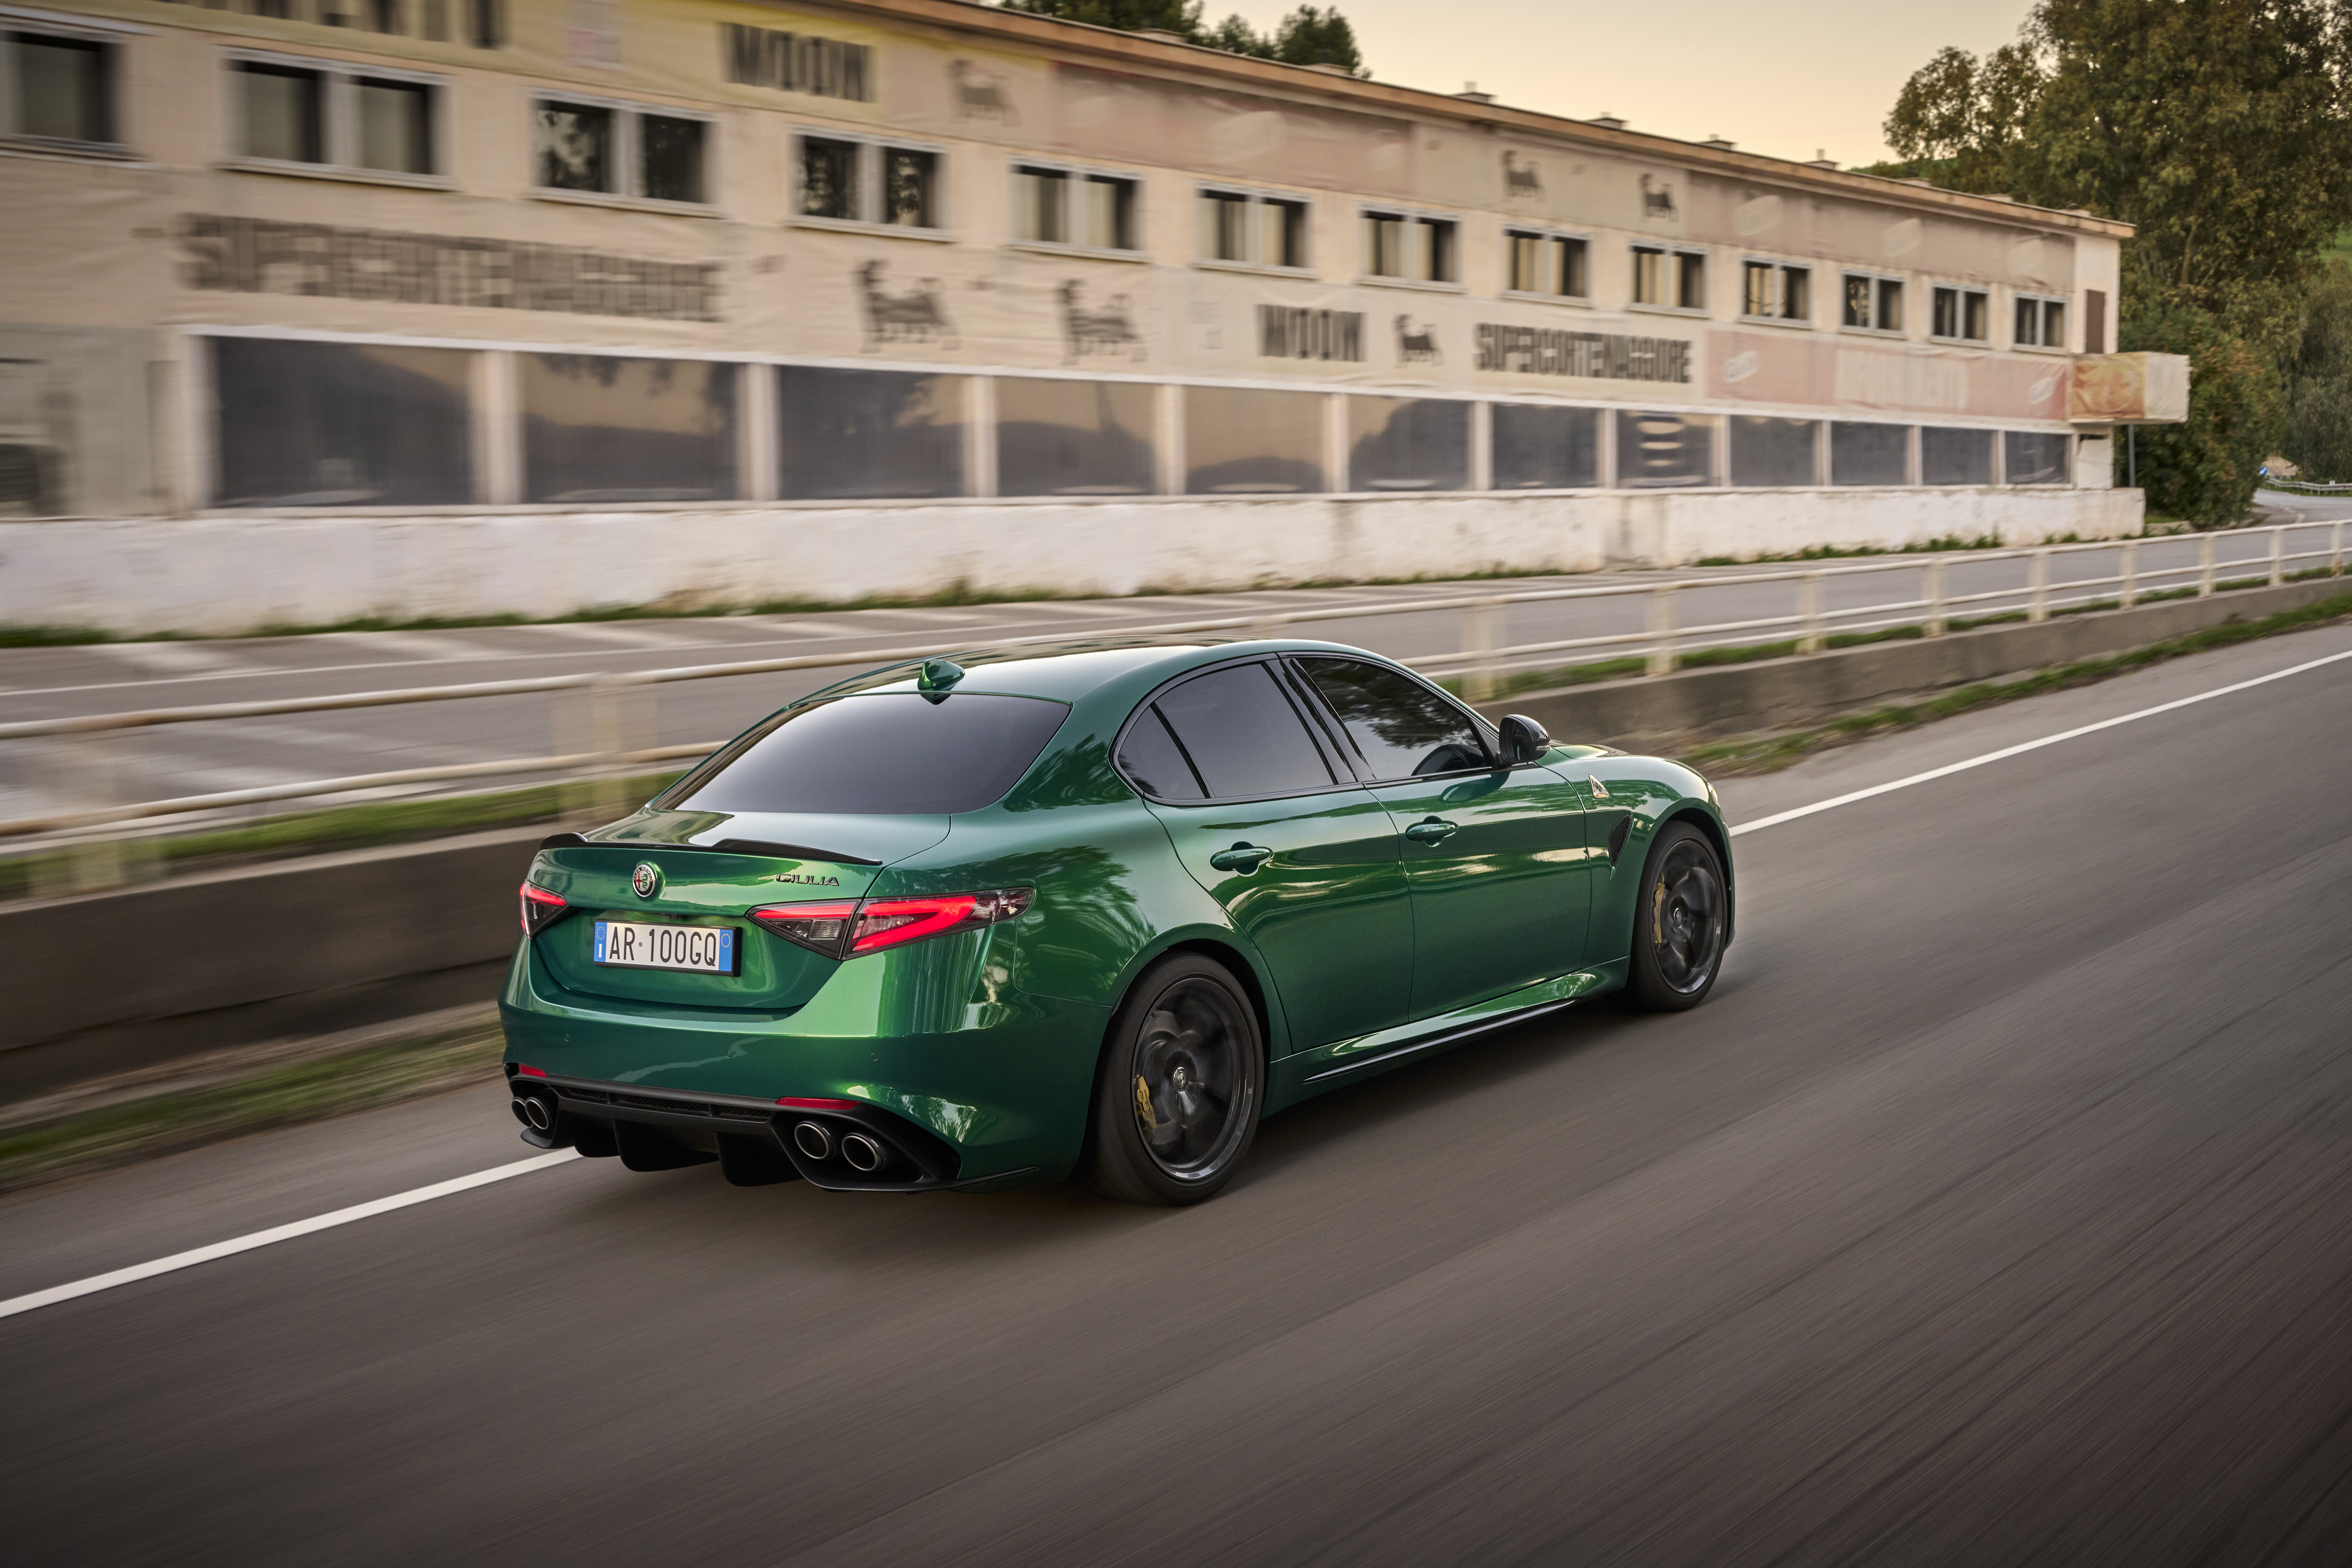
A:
1482	660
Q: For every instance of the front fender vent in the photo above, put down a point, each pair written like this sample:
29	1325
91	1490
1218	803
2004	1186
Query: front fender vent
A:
1617	835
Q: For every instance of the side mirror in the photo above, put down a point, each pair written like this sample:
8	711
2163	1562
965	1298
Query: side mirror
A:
1524	740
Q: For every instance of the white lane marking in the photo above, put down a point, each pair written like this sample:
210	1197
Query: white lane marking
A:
1948	769
229	1249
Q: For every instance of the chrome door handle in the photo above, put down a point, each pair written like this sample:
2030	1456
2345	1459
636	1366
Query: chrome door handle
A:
1242	857
1432	830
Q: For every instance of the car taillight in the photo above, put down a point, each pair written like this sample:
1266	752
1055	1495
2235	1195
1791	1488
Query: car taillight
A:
539	906
841	930
820	927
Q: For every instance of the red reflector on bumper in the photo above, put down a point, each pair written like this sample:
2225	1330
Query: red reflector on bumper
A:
531	1072
817	1104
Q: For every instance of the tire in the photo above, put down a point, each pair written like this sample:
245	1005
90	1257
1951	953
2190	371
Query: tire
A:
1678	923
1182	1085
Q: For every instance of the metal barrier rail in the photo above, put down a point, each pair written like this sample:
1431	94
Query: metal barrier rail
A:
1481	661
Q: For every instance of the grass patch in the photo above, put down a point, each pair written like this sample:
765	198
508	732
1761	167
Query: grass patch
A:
361	826
278	1097
1769	753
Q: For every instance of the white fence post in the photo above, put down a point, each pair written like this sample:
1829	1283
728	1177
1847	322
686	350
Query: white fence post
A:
92	780
1935	596
605	723
2130	595
2278	556
1810	638
2335	551
1481	624
2204	565
1664	655
2037	604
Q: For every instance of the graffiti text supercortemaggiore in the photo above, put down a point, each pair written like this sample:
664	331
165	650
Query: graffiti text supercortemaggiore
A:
1599	356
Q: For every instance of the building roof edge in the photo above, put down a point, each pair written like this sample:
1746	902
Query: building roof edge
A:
1053	33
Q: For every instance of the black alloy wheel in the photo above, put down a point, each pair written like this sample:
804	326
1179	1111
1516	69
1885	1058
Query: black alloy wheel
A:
1182	1085
1679	923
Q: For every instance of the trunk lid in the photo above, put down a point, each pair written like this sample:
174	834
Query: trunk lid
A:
766	859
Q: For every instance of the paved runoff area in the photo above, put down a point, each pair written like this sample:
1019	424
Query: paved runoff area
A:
1998	1208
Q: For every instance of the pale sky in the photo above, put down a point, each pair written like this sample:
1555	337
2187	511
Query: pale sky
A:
1786	79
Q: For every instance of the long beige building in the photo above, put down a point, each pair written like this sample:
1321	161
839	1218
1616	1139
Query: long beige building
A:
312	309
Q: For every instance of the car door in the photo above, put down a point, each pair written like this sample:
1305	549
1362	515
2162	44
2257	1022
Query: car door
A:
1494	855
1269	819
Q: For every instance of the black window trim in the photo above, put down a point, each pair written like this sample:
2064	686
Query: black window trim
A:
1150	703
1488	737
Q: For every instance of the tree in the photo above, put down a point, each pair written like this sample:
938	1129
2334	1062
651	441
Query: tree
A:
2206	467
1308	36
1966	117
1181	16
2223	130
2319	380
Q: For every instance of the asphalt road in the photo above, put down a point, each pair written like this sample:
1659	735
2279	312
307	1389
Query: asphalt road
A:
1997	1208
234	755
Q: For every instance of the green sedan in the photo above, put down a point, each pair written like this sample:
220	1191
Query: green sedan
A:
1091	908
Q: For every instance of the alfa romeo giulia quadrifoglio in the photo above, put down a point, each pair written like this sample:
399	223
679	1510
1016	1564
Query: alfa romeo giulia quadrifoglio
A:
1086	907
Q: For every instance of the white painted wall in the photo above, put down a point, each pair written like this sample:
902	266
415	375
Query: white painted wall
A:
230	574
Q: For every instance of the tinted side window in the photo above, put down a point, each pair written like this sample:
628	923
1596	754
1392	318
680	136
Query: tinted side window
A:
1243	735
1150	758
1402	727
885	754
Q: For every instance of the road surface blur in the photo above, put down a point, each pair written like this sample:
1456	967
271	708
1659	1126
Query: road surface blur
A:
1998	1208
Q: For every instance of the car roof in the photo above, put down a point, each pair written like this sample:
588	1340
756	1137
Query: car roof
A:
1067	670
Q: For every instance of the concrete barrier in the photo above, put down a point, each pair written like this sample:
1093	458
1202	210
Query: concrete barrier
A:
224	574
101	983
1646	711
104	982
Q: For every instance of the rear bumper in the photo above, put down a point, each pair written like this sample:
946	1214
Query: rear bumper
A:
1005	1094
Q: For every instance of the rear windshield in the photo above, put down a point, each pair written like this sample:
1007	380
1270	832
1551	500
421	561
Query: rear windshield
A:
886	755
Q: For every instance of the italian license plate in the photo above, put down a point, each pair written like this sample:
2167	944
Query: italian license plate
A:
703	950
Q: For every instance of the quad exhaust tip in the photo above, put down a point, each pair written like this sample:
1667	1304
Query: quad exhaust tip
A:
532	1113
864	1154
812	1139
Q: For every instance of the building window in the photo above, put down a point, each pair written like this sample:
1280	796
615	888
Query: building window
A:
1775	292
618	150
1870	454
1949	457
1074	438
1538	447
1241	441
600	428
1669	279
1412	247
1552	265
1769	452
331	118
1962	314
1249	228
847	180
57	89
1874	304
1072	207
1663	451
1408	443
2041	323
2033	457
341	425
869	435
